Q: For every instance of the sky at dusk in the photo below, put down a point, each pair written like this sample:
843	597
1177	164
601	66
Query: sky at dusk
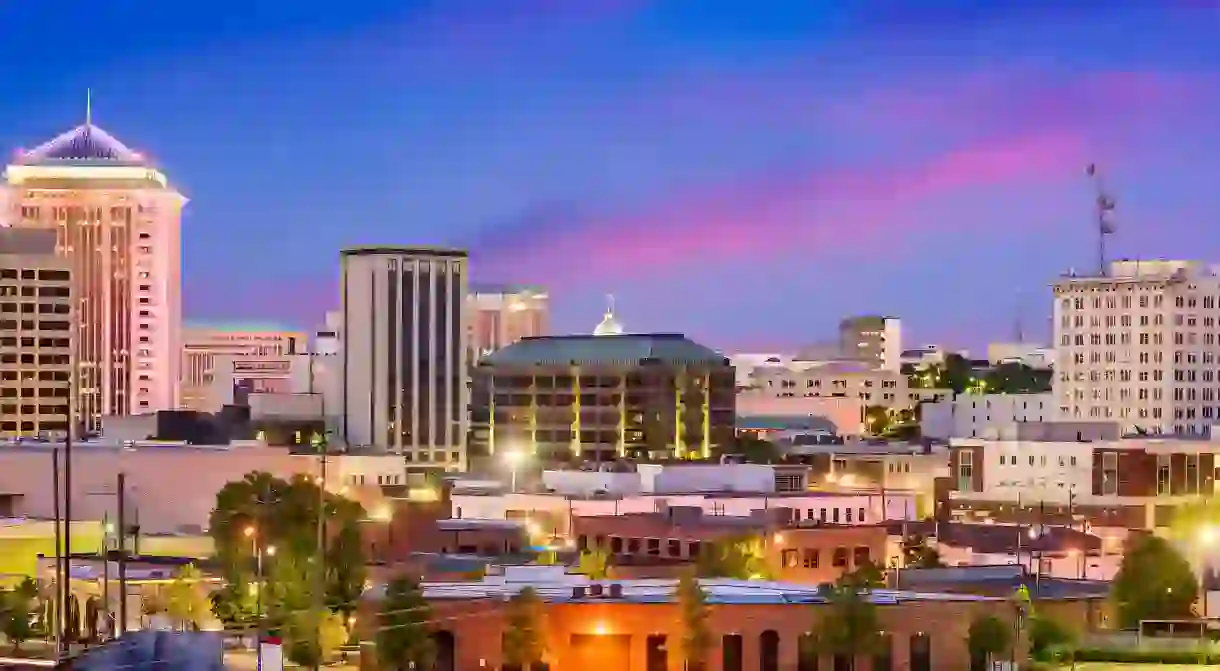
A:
746	173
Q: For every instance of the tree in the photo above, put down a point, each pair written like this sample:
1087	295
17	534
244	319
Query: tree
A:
1046	634
877	420
345	569
866	575
524	640
847	625
261	511
186	602
956	373
312	636
15	618
989	637
696	635
1014	377
402	633
743	558
1154	582
916	553
594	564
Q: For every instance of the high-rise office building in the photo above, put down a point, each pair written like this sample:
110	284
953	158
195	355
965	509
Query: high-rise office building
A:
500	316
117	222
37	329
873	339
403	352
202	344
1138	346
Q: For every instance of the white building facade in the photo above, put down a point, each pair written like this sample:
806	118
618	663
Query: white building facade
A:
980	415
207	350
118	222
403	353
1139	346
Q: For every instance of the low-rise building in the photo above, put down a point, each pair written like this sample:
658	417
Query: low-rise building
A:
1077	473
982	415
762	408
636	624
845	379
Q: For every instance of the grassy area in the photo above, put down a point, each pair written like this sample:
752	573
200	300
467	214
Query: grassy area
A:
1114	666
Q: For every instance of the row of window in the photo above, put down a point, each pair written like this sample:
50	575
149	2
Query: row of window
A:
42	275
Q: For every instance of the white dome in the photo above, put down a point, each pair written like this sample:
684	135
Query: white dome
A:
609	325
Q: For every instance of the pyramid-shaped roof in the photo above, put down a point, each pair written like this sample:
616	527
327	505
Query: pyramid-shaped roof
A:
86	144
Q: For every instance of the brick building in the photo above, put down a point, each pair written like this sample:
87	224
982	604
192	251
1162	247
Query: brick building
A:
636	625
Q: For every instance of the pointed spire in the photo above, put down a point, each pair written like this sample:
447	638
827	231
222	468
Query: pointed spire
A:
609	305
88	108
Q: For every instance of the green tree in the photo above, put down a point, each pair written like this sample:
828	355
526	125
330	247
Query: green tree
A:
312	636
524	637
1017	378
868	575
261	511
594	564
186	601
696	634
743	558
16	616
878	420
917	553
1045	635
402	633
345	569
847	625
988	638
1154	582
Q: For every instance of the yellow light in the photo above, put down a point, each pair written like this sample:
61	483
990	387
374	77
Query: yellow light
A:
270	550
600	629
1207	535
778	539
382	512
248	531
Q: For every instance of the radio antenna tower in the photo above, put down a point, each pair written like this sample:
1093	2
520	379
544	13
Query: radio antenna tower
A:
1104	211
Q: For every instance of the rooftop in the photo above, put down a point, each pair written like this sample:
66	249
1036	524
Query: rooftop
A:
619	350
86	145
393	250
1001	579
554	585
1001	538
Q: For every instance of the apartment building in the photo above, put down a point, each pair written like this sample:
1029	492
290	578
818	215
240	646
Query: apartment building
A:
843	379
1138	346
1079	473
37	336
872	339
979	415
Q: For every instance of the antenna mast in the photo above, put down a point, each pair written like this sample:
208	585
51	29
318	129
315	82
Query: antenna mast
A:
1104	204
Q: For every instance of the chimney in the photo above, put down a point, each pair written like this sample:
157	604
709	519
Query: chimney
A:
595	590
616	590
578	592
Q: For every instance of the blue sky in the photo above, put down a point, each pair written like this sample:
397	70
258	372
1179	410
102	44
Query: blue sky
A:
743	172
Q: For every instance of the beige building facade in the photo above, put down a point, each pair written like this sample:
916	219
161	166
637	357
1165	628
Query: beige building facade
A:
117	222
849	380
1139	346
204	348
500	316
873	339
37	336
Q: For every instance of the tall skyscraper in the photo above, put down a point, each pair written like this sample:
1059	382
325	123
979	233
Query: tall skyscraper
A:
404	351
202	344
37	327
500	316
1138	346
117	223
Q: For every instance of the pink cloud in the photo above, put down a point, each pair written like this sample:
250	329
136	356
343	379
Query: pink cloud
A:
840	208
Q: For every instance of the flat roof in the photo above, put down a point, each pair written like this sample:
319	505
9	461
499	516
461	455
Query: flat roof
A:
448	252
557	587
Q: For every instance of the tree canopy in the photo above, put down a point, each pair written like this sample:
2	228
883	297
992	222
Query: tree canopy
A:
402	633
743	558
261	511
848	624
1154	582
1012	377
524	638
917	553
988	637
696	634
752	449
186	600
594	564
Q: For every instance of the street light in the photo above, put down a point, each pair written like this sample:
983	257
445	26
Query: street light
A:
514	460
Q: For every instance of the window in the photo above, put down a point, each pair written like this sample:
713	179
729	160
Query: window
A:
1162	474
810	559
839	559
788	558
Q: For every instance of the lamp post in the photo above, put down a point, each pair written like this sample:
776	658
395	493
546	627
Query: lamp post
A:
514	459
252	534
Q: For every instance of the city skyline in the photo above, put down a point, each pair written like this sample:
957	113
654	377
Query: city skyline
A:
642	151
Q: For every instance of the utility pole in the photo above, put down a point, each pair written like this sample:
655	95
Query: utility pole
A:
58	628
67	582
121	486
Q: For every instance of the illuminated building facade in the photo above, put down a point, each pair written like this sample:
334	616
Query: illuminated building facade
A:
500	316
403	349
36	336
201	346
117	222
602	397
